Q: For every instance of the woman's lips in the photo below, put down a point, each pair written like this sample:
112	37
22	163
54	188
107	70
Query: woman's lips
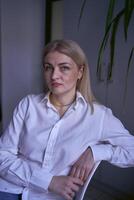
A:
55	84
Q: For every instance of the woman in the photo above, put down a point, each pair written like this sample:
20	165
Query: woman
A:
52	135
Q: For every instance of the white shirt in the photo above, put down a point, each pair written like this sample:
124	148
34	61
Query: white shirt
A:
39	144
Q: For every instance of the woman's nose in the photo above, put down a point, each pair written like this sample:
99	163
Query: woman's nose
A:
55	73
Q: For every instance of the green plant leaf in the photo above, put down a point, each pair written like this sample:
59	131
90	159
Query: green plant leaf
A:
129	62
101	49
127	73
81	13
109	17
129	8
112	45
100	55
110	13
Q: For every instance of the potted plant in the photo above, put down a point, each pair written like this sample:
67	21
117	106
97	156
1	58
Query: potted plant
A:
113	20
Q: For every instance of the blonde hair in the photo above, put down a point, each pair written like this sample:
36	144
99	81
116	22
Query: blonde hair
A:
73	50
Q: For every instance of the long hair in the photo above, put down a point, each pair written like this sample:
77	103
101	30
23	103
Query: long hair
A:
73	50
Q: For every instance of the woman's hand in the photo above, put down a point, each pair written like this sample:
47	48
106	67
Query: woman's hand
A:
83	166
65	186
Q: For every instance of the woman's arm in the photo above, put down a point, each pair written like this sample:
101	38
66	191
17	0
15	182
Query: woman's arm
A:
13	168
116	146
65	186
83	166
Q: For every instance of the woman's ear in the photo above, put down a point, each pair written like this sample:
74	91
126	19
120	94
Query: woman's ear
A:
81	68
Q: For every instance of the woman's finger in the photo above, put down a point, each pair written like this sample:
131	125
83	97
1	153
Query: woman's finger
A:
77	172
74	187
82	174
87	172
68	196
72	172
70	193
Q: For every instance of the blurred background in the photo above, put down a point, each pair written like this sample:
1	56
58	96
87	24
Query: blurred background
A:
27	25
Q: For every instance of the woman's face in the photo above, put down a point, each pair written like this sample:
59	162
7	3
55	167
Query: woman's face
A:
61	73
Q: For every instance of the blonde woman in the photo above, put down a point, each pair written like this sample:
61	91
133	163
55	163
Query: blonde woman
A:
54	139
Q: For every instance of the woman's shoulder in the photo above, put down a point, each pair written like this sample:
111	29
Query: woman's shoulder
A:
32	99
100	108
36	97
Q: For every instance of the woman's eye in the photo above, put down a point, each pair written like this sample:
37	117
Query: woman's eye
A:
65	68
48	68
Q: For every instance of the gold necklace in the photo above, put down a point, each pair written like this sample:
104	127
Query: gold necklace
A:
60	105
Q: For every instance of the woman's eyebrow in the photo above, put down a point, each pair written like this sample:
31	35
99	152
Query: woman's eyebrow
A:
64	63
47	63
61	63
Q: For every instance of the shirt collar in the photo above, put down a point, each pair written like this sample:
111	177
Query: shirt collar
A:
46	100
79	99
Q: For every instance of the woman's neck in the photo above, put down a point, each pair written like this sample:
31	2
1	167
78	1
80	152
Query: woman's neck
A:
62	101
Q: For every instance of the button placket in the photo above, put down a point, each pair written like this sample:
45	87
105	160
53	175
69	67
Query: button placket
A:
50	146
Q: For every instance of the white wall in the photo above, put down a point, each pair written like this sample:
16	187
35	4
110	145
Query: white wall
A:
89	37
22	41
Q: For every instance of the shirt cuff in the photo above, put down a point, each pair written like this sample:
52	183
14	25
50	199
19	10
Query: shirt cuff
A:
41	179
102	152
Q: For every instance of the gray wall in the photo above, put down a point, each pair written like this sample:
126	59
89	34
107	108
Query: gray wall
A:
89	37
0	70
22	41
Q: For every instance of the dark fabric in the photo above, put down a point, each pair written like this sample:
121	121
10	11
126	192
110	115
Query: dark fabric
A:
9	196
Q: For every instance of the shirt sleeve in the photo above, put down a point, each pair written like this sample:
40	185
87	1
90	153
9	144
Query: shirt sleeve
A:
13	168
116	144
